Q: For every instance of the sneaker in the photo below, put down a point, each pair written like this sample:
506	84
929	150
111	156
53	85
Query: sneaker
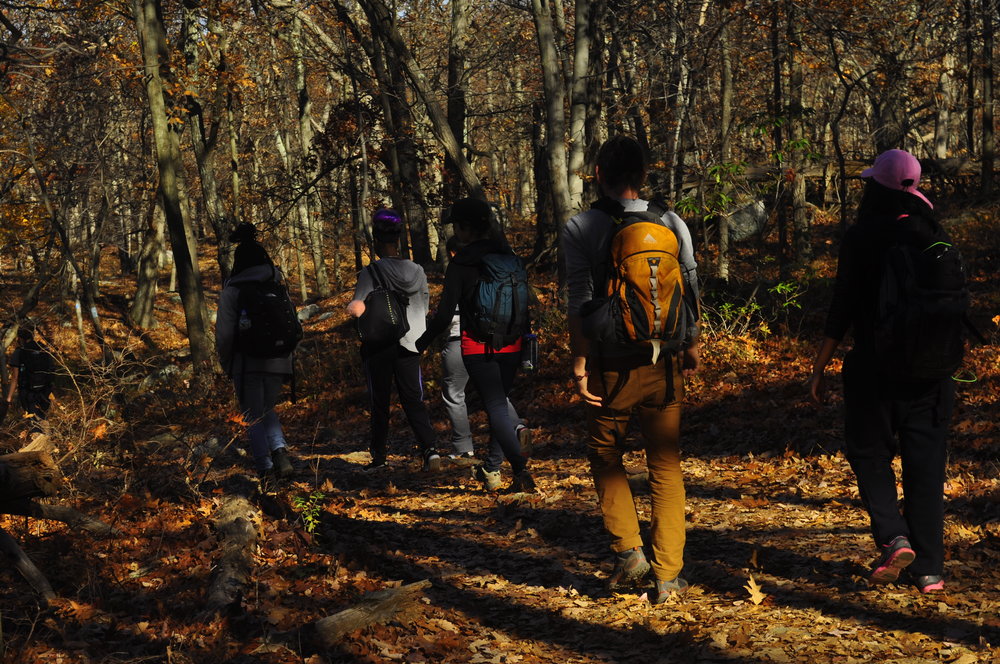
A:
489	478
630	567
665	589
282	464
929	583
375	465
522	483
896	555
524	438
432	462
463	459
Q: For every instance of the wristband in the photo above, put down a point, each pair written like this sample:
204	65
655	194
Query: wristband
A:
577	379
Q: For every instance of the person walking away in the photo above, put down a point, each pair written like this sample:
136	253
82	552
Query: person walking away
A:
492	319
454	379
32	376
257	370
908	342
396	358
619	371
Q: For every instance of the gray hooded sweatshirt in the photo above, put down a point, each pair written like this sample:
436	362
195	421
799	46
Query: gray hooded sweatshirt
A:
408	278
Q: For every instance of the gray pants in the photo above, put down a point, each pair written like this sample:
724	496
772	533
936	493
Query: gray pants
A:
258	394
454	379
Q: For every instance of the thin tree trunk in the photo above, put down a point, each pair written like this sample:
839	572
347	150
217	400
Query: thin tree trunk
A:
555	120
458	40
800	212
725	125
989	139
152	40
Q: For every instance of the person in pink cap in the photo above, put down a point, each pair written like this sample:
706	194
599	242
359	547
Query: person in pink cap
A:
891	405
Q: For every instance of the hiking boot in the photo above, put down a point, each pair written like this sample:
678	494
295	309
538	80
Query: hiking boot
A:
665	589
929	583
432	462
630	567
896	555
522	483
489	478
524	438
375	465
282	464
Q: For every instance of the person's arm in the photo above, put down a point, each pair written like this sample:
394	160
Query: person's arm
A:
356	307
817	388
691	355
580	283
14	374
445	312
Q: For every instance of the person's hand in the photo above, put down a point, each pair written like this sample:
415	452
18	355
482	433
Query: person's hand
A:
356	308
581	381
817	389
690	361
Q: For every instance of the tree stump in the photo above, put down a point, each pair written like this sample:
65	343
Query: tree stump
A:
376	607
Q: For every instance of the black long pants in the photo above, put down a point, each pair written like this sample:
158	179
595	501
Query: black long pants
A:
381	367
493	375
911	420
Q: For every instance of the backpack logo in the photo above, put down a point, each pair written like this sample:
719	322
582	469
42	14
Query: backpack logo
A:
921	304
268	325
498	311
643	293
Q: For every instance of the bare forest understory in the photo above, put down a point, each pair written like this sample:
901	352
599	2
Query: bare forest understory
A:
778	544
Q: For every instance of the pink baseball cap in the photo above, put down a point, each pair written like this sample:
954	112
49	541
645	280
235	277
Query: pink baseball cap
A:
897	169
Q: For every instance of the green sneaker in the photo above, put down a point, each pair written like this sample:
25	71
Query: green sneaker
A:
630	567
489	478
665	589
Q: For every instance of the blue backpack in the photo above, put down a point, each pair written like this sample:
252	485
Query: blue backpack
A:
498	311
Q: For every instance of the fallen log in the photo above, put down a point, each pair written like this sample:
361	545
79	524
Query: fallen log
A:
28	475
375	607
75	519
40	442
23	564
237	525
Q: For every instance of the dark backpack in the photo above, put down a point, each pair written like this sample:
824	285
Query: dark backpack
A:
36	370
268	326
921	304
497	313
384	321
643	288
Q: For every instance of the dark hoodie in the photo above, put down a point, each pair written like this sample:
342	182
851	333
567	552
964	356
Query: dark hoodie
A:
883	216
460	280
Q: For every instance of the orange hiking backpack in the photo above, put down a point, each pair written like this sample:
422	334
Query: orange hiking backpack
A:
643	300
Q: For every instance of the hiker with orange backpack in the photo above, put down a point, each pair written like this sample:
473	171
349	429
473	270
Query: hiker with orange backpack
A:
633	322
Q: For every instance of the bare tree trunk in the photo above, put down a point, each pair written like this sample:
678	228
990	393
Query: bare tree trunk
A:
458	40
725	126
555	120
800	212
381	21
311	224
970	77
989	139
204	139
946	96
587	18
154	53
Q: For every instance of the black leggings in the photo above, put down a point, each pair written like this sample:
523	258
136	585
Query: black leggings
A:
381	367
493	376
